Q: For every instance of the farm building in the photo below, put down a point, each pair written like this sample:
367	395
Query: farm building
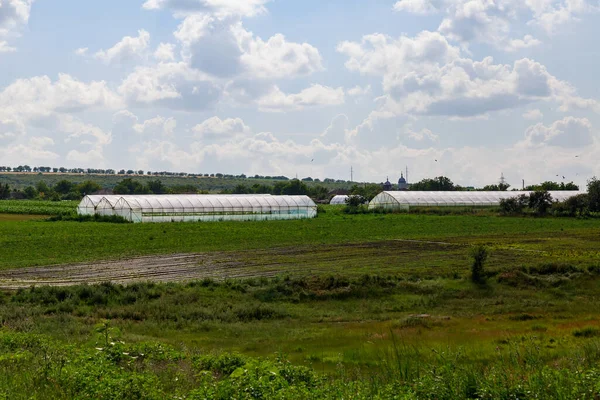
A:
403	200
180	208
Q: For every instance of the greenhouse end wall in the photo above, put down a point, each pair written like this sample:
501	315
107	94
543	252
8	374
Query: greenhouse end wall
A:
189	208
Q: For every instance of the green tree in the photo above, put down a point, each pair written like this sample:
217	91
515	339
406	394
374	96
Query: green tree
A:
129	186
4	191
368	191
156	186
63	187
479	255
30	192
438	184
540	201
294	188
593	187
87	187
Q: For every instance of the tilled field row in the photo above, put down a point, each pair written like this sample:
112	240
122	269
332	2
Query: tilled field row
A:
373	257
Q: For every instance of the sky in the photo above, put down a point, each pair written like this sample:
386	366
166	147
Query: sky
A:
468	89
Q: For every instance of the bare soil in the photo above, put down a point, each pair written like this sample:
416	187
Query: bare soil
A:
372	257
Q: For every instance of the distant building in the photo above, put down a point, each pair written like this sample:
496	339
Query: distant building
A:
387	186
402	184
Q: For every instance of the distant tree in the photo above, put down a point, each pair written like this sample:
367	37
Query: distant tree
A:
241	189
129	186
500	187
318	192
30	192
367	191
549	185
574	206
540	201
63	186
87	187
307	179
440	183
44	191
514	205
4	191
593	188
479	255
294	187
156	186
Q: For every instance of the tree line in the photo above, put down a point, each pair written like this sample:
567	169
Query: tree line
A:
540	202
62	190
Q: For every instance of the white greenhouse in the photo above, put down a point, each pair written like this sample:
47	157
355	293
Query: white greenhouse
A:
180	208
339	199
89	204
403	200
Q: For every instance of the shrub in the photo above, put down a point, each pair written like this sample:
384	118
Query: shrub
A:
587	332
479	255
540	201
514	205
576	206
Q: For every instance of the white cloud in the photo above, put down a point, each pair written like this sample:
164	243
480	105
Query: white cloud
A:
568	132
277	58
14	14
5	48
40	96
128	49
221	8
358	91
420	136
313	96
421	7
165	52
34	151
174	85
82	51
216	128
336	131
379	54
224	49
533	114
427	75
157	126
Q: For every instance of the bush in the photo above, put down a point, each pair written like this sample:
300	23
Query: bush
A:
479	255
540	202
576	206
586	332
514	205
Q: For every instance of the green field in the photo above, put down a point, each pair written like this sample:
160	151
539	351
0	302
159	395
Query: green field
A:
342	306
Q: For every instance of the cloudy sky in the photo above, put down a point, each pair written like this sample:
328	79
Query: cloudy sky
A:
465	88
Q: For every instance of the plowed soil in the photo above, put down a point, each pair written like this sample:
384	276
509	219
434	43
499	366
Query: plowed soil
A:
385	257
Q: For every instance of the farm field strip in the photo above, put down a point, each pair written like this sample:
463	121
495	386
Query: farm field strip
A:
33	243
410	257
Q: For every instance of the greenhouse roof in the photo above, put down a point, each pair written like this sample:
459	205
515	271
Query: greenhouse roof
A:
454	198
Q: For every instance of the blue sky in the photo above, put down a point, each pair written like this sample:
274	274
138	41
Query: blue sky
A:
264	87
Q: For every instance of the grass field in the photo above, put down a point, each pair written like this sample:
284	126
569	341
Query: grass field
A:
361	306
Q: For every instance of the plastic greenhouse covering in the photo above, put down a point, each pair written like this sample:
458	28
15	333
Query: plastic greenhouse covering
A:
402	200
89	204
338	199
180	208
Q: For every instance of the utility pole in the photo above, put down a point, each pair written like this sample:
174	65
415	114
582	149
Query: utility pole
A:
351	174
